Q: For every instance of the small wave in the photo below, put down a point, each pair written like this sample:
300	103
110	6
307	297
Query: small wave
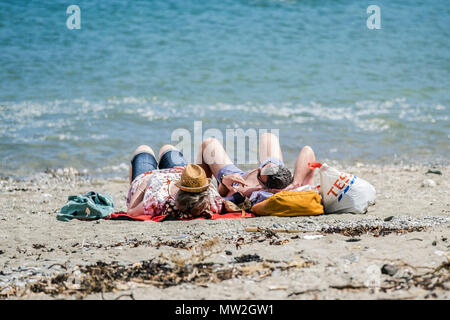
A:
64	125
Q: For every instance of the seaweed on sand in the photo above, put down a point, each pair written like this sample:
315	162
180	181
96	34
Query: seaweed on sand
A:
163	272
376	231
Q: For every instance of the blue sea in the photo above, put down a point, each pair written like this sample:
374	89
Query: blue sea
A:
138	70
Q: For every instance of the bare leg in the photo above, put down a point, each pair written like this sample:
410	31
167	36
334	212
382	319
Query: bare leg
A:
136	199
269	147
140	149
212	156
303	175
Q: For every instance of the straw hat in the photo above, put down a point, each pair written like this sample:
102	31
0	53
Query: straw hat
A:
193	179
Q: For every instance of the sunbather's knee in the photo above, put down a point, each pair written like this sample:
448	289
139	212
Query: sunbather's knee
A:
209	141
268	136
308	149
164	149
143	148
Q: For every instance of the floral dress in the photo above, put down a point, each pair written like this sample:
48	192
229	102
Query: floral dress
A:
157	199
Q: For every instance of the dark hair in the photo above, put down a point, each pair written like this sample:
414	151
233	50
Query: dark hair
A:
192	203
278	177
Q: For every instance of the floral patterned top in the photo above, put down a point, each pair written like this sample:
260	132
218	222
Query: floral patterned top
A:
157	199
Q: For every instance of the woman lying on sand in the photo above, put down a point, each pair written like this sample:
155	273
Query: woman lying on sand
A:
169	186
270	176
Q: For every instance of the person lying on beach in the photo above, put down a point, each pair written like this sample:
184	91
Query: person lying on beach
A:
271	176
169	186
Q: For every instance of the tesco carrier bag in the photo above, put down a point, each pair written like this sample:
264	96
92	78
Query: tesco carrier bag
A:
343	192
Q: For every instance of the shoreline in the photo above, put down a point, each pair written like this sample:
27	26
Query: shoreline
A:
120	171
407	229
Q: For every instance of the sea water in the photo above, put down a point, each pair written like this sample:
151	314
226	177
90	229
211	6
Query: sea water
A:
135	71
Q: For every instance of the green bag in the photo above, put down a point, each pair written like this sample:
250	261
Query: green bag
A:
88	206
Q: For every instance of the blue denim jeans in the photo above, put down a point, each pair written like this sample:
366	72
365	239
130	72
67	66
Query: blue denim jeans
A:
144	162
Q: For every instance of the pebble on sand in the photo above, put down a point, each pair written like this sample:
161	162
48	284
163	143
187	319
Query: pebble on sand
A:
434	171
429	183
389	269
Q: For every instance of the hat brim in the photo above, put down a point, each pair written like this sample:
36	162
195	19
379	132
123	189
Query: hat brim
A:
194	190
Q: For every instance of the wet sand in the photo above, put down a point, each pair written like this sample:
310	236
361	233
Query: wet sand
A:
341	257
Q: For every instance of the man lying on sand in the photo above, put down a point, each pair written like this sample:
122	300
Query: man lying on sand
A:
169	186
271	175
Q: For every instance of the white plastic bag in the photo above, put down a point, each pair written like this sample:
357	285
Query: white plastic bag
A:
343	192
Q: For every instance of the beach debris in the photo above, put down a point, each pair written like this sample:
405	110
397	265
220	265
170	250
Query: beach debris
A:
356	287
438	277
269	233
303	292
429	183
389	269
273	288
388	218
239	241
278	242
273	231
228	252
104	277
38	246
198	253
376	231
247	258
353	240
434	171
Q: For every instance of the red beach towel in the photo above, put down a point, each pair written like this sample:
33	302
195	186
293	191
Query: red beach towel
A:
145	217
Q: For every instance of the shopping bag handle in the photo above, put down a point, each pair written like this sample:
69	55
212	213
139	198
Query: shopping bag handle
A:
314	165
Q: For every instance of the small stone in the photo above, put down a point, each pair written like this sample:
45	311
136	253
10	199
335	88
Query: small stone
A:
388	218
429	183
389	269
434	171
353	240
228	252
434	243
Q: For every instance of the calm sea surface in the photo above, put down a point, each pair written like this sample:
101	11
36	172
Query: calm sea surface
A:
138	70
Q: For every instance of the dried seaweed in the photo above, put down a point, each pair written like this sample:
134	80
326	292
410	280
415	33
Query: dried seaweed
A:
247	258
296	293
376	231
163	272
437	278
431	280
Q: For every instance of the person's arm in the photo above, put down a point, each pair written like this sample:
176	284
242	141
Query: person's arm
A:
139	194
223	191
227	182
137	210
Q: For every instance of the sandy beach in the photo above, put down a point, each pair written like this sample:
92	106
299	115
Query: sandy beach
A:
400	249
